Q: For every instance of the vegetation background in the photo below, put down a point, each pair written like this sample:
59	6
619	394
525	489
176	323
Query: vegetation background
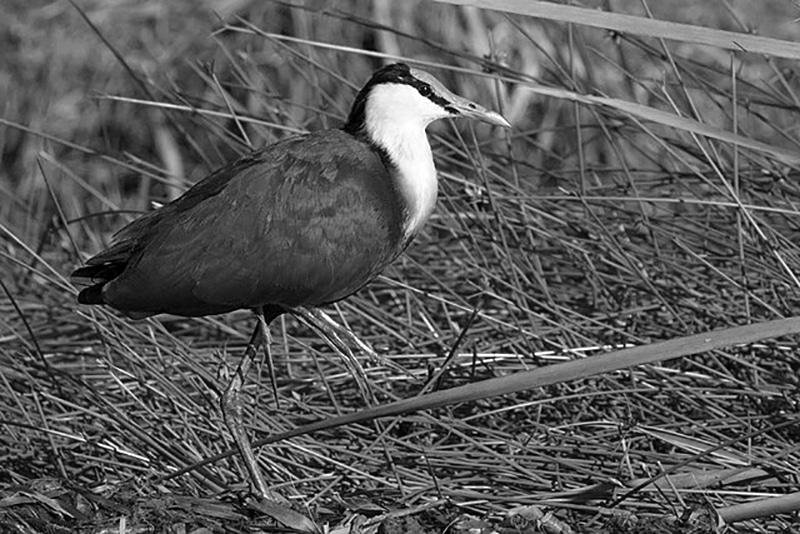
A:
592	225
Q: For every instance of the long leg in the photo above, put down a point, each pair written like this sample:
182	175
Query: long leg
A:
333	333
232	410
342	338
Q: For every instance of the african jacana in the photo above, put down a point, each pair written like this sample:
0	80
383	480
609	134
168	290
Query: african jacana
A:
301	223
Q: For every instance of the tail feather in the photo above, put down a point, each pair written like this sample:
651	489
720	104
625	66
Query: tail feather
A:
104	268
96	277
92	295
92	274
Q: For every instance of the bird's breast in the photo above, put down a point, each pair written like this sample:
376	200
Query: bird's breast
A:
414	176
418	186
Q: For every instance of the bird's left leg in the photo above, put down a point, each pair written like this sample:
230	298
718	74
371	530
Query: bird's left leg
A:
341	339
232	410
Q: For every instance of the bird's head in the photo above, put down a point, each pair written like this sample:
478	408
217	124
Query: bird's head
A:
391	112
398	94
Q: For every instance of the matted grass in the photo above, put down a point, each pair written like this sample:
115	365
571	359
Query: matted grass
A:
647	192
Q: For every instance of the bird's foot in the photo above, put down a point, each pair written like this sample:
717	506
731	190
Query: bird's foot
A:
283	514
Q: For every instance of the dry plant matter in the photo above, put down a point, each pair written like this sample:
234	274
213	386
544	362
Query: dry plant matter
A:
648	193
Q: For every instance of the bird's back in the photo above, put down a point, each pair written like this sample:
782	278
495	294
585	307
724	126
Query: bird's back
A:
306	221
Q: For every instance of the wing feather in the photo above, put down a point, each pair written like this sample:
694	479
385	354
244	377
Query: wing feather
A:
306	221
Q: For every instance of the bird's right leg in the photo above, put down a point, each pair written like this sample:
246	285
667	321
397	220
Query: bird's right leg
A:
271	504
232	410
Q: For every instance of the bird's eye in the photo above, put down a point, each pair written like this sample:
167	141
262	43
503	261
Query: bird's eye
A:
426	90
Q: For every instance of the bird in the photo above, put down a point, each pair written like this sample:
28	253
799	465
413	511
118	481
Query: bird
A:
296	225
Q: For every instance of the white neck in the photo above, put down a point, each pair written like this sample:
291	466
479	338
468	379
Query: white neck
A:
395	122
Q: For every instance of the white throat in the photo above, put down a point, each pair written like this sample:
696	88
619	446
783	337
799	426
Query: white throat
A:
396	117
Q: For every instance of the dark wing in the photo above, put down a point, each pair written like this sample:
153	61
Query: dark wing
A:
130	241
306	221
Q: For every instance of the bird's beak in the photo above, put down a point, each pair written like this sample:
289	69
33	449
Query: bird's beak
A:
461	107
470	109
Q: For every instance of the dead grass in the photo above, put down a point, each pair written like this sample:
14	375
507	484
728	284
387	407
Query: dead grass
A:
594	225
